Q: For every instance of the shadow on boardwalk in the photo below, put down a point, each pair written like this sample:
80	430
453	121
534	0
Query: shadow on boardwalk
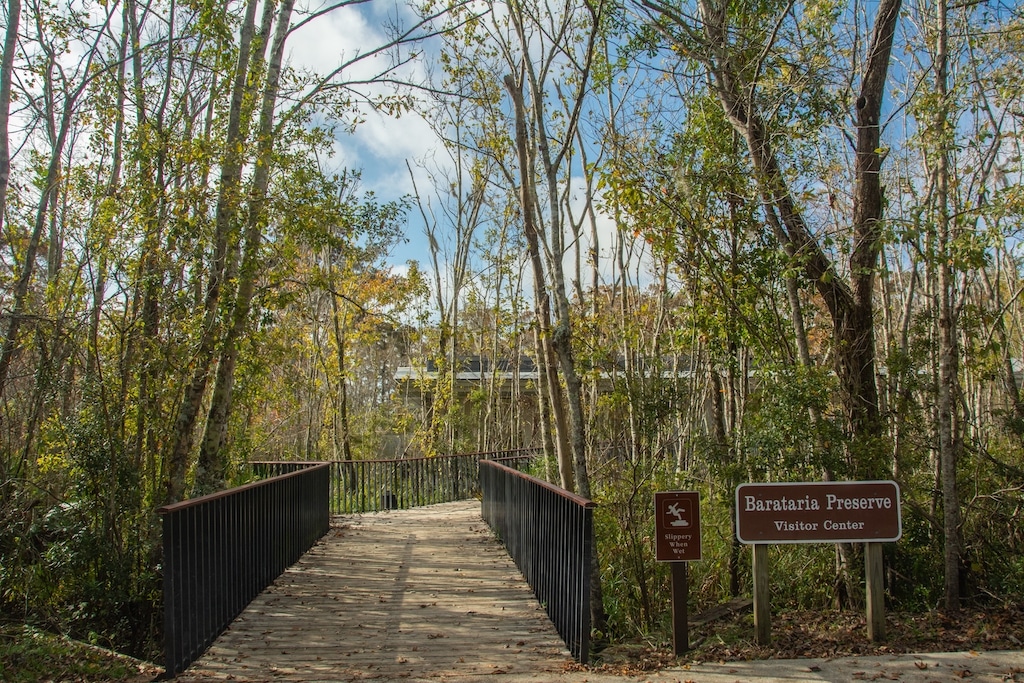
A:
422	594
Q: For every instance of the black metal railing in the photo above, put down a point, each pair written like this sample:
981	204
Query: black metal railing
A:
375	485
549	533
222	550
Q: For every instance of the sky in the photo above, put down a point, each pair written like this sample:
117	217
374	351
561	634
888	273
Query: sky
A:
381	144
383	147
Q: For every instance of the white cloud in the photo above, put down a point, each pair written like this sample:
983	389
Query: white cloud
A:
399	270
389	142
381	144
330	40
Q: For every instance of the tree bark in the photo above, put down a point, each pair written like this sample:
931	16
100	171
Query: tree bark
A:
6	74
177	460
12	336
340	341
948	389
541	299
850	304
560	339
211	469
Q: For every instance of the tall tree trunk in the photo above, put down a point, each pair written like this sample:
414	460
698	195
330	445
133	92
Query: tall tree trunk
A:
849	304
868	215
541	299
12	336
151	209
949	439
560	339
6	74
98	249
1011	387
228	200
340	334
211	469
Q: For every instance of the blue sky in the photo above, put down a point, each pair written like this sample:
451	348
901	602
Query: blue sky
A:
382	145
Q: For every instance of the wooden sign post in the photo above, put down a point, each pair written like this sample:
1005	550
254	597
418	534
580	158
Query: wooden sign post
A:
873	579
865	512
762	601
677	540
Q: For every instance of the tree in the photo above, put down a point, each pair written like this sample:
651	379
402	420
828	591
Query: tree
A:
211	467
460	196
6	74
59	108
949	437
736	58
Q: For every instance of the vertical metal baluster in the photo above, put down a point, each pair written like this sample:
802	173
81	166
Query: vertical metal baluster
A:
549	534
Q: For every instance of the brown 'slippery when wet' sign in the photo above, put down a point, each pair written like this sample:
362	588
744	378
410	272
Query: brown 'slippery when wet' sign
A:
677	526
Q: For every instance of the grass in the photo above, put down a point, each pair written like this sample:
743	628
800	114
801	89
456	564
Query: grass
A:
30	655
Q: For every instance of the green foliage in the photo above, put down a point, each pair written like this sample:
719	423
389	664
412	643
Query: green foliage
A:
543	467
917	555
391	422
993	527
28	655
792	432
635	599
637	589
803	576
111	330
80	558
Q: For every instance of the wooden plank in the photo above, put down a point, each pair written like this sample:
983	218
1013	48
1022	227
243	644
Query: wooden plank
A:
426	593
734	606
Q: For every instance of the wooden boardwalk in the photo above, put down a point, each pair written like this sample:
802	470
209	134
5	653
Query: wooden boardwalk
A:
415	595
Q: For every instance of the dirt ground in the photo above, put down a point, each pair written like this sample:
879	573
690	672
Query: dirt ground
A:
976	645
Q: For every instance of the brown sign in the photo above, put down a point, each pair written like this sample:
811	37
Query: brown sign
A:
819	512
677	526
